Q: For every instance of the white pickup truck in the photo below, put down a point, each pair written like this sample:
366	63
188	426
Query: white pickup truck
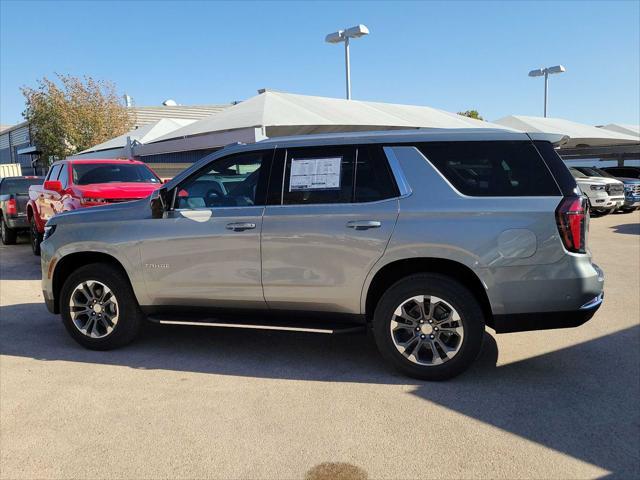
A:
605	195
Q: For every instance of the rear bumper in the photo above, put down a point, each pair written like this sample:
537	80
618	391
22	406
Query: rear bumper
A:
523	322
17	222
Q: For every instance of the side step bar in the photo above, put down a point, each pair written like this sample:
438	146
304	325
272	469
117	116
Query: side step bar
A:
328	328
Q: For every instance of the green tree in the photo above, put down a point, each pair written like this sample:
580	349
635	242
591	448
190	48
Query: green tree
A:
471	114
72	114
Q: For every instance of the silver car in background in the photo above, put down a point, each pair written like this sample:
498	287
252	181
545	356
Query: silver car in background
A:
423	236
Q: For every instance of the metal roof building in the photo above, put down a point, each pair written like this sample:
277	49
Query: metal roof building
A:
16	141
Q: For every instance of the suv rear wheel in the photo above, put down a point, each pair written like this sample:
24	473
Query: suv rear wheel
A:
99	308
429	326
8	235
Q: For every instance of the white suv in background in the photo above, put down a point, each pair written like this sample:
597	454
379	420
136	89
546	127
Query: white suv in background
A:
605	195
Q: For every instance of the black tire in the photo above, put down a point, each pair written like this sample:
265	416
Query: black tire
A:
35	237
449	290
9	235
130	317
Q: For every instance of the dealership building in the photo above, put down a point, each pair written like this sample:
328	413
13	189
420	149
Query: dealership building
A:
17	143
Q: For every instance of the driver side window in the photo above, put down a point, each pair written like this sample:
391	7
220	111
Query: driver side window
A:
234	181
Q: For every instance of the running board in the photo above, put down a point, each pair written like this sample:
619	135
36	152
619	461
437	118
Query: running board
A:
328	328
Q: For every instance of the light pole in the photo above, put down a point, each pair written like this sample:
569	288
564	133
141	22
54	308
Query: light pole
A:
539	72
344	36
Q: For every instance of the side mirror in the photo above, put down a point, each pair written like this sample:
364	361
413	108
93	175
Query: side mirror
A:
158	203
55	185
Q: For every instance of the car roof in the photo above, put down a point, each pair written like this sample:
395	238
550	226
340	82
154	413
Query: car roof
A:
413	135
376	136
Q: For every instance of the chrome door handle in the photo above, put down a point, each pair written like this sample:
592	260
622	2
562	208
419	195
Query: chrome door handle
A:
240	226
364	224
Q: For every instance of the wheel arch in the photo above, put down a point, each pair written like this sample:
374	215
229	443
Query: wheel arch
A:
70	263
31	214
398	269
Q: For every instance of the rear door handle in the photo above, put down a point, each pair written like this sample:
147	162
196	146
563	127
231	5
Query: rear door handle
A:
240	226
364	224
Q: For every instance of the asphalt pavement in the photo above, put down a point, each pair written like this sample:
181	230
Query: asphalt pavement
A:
188	402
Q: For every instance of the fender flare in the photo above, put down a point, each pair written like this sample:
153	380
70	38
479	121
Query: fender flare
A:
32	212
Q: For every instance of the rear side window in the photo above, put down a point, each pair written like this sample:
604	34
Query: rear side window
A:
374	180
492	169
318	175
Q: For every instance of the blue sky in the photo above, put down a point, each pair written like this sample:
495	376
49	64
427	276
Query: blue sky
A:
453	55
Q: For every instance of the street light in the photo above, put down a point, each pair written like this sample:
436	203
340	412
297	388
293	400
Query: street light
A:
539	72
344	36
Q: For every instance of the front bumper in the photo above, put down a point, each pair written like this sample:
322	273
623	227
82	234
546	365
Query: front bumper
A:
47	264
631	201
605	202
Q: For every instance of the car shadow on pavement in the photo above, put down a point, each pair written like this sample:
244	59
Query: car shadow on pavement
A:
627	228
581	400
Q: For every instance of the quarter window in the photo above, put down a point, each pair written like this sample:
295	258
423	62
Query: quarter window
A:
234	181
492	169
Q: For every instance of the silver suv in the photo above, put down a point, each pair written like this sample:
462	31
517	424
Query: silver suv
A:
425	236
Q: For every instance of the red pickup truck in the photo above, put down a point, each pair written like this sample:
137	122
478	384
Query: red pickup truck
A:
73	184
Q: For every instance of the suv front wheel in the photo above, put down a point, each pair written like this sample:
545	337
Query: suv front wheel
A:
429	326
99	308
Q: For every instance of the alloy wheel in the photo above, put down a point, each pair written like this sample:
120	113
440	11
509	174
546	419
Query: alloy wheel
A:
427	330
94	309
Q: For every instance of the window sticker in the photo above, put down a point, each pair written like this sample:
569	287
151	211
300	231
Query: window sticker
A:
315	174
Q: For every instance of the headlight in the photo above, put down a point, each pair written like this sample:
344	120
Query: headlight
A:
48	231
92	201
597	187
628	188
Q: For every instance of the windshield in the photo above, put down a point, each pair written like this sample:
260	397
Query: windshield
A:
603	173
590	172
88	173
577	173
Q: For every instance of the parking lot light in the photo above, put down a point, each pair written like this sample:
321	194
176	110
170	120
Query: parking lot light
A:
539	72
343	36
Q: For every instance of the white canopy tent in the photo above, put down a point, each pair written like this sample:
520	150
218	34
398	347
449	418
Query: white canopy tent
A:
626	128
275	114
580	135
118	147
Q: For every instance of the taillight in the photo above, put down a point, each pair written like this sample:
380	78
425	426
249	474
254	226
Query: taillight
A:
12	207
572	217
